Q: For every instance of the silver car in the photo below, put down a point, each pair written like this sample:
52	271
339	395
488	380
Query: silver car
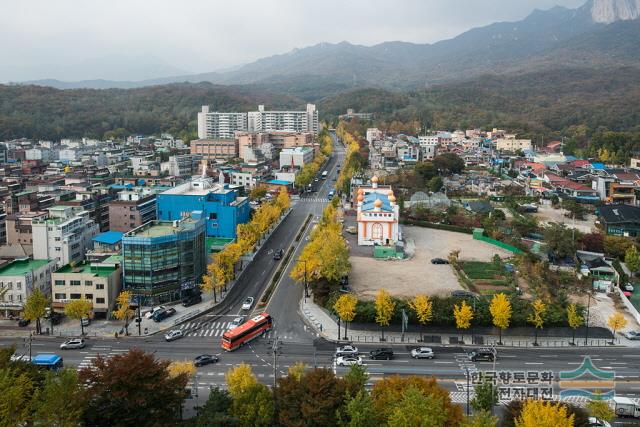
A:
236	322
247	304
346	350
173	335
632	335
422	353
72	344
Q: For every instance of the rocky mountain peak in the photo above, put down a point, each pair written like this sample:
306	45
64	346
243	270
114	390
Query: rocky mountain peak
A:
608	11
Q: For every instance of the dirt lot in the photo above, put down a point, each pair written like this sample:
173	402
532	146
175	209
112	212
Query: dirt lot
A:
548	214
417	275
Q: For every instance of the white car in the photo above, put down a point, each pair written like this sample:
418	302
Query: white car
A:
149	314
348	360
347	350
236	322
422	353
628	287
72	344
632	335
173	335
247	304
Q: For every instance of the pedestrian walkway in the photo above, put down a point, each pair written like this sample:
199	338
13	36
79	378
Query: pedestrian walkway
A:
326	325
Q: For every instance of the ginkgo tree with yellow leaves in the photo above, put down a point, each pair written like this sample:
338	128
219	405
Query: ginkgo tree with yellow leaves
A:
616	322
385	307
500	310
463	313
423	308
539	413
124	311
536	317
345	306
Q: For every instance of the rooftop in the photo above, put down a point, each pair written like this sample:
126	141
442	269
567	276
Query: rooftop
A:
109	237
87	268
197	187
165	228
21	267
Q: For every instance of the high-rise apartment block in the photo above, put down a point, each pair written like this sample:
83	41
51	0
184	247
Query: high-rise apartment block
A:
214	125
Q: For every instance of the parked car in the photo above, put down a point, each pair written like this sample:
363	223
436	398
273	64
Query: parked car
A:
236	322
205	359
381	354
149	314
247	304
72	344
192	300
163	314
278	254
352	229
56	318
632	335
597	422
344	281
462	294
173	335
439	261
346	350
628	287
422	353
348	360
23	322
485	354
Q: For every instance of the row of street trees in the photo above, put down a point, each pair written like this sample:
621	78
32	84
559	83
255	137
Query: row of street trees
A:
223	268
310	170
500	309
325	259
352	162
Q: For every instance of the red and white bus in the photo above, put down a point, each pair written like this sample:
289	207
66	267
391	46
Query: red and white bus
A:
244	333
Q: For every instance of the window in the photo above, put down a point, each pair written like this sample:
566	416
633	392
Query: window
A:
76	296
99	285
59	282
10	285
88	296
18	285
74	282
88	283
99	300
60	296
213	215
20	297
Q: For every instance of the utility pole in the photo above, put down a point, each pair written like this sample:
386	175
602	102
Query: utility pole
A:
274	350
586	336
467	372
30	339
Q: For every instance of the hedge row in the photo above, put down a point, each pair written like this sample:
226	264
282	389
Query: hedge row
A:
447	227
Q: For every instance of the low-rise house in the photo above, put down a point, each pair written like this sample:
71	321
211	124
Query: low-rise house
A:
620	220
18	280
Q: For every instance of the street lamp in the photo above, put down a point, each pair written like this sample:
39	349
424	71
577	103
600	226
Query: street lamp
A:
586	336
467	373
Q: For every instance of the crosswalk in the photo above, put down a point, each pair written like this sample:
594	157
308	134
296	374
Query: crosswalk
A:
314	200
209	329
105	351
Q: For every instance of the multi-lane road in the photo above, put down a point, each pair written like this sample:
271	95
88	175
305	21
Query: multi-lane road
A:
295	342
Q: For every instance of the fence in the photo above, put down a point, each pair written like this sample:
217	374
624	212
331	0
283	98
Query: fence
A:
632	309
478	235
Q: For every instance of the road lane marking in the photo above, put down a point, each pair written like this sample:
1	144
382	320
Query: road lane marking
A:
443	363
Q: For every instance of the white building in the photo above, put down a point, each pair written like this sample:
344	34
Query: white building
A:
18	279
297	156
65	236
216	125
429	146
246	179
378	215
182	165
374	134
38	154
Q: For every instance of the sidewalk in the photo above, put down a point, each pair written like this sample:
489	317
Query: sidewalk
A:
325	325
108	328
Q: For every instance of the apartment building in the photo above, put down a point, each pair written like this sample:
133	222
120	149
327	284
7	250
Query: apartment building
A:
374	134
215	149
65	236
182	165
245	179
19	227
513	144
98	282
216	125
132	209
429	146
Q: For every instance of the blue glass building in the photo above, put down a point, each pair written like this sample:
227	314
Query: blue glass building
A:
221	206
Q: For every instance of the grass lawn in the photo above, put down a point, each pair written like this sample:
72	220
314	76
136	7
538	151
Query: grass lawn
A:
477	270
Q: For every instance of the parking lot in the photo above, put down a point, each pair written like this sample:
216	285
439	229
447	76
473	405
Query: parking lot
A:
406	278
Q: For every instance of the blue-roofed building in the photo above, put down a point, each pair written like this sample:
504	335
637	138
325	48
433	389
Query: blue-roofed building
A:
221	206
107	242
378	215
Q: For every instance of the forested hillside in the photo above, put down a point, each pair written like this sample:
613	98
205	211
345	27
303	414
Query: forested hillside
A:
48	113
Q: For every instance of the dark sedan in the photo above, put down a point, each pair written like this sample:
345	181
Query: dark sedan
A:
205	359
439	261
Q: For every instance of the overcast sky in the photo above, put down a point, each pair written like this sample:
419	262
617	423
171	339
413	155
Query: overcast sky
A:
135	39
